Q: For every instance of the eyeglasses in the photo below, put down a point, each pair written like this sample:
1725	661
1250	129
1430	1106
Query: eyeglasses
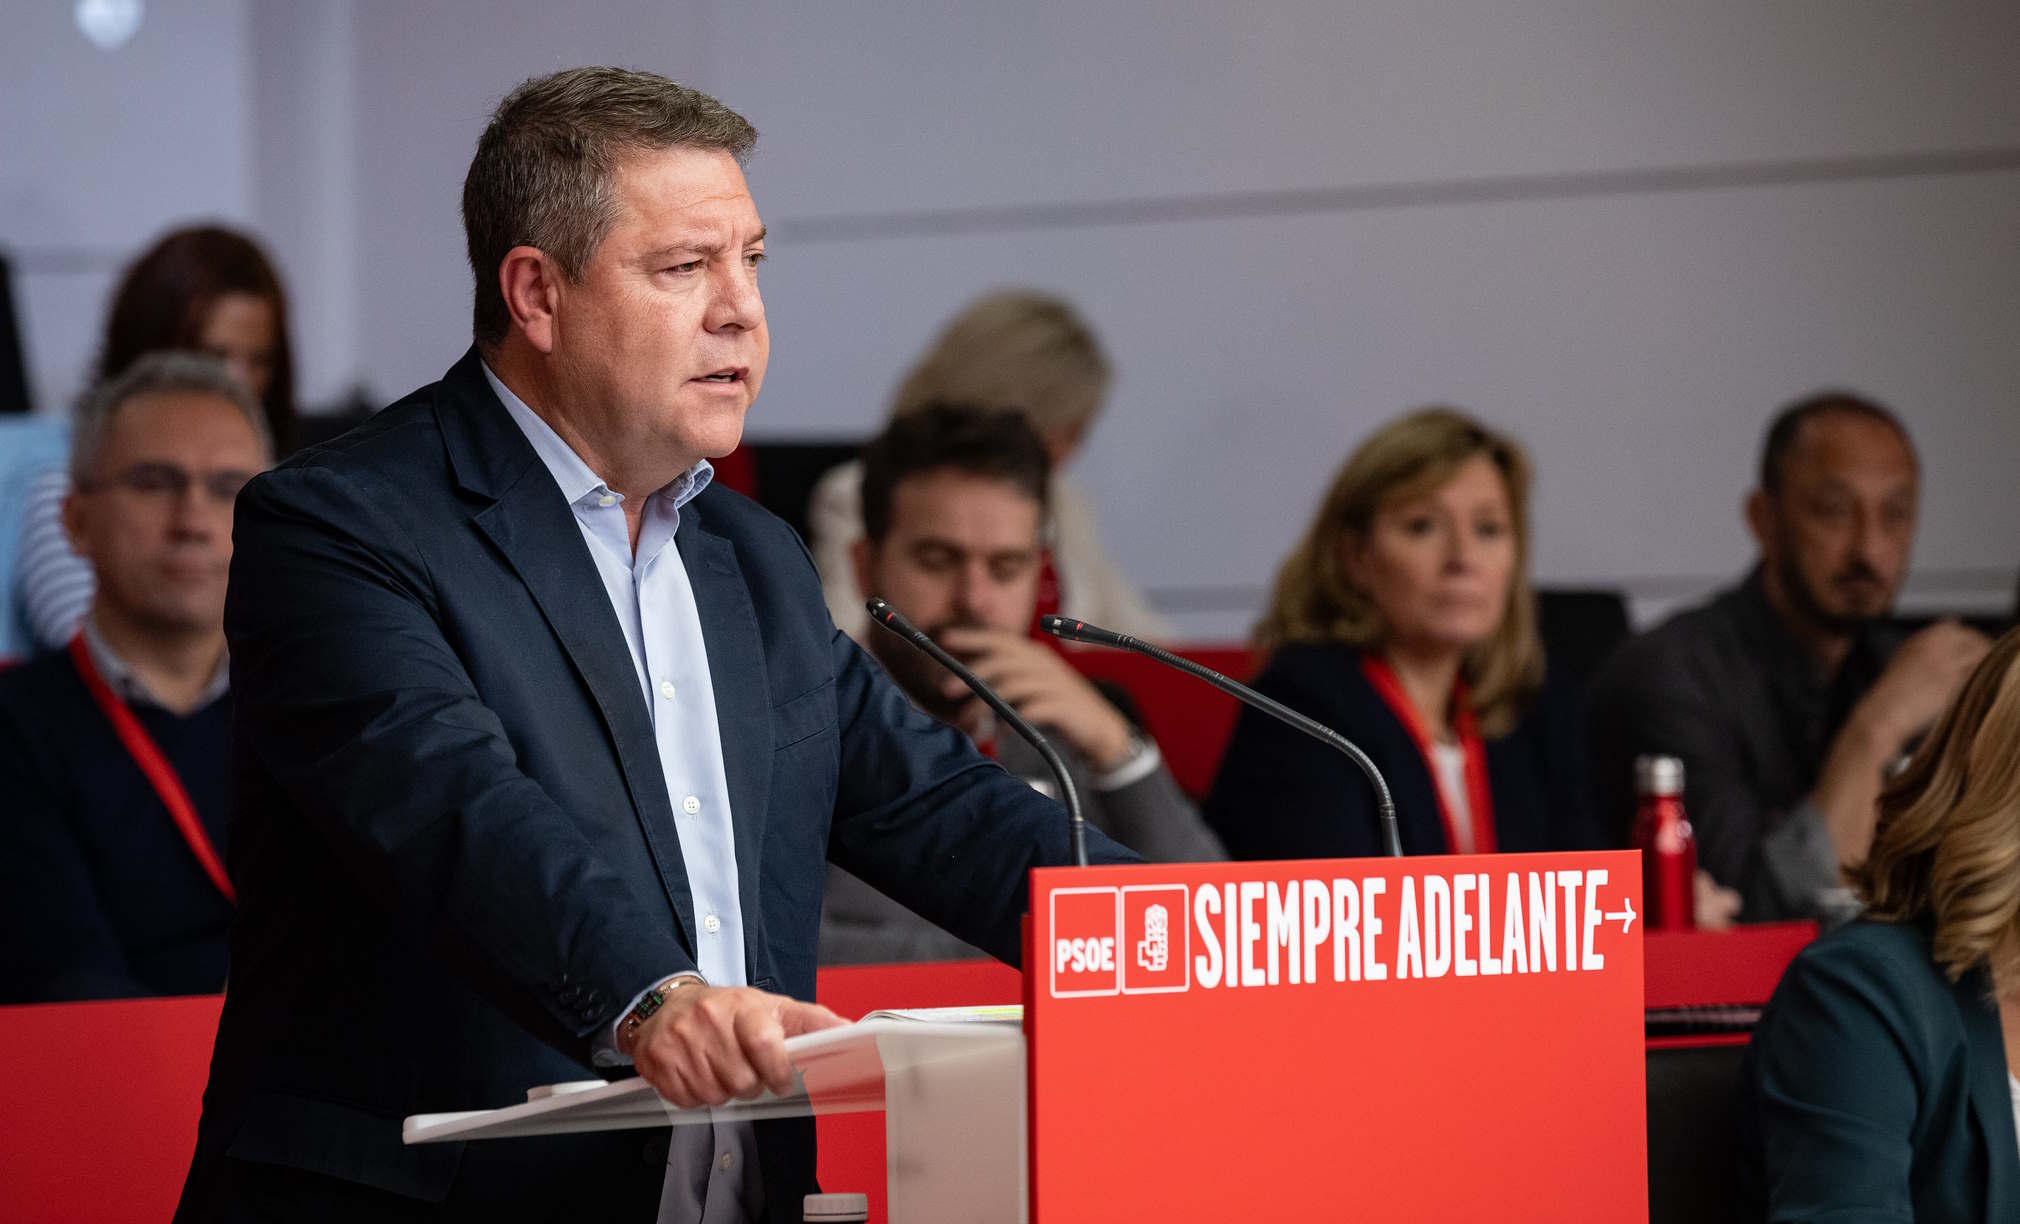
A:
166	481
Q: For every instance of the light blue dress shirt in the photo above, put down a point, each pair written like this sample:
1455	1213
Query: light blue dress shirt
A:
717	1180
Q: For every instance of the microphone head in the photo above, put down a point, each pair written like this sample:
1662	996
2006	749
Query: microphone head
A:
1080	631
884	614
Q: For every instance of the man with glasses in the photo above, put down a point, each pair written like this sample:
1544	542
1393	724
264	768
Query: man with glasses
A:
115	752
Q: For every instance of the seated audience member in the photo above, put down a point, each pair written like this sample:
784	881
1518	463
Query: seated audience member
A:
1787	697
204	289
1880	1082
954	503
115	750
1010	348
1404	619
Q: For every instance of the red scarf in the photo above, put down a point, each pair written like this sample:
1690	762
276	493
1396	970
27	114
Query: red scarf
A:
1479	798
160	774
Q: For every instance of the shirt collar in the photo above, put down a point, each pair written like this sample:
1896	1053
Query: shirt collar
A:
577	481
126	683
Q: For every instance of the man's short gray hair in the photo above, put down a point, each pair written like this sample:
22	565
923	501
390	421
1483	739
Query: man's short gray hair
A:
155	374
544	172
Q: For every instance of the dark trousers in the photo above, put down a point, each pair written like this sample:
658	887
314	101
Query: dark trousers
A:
612	1176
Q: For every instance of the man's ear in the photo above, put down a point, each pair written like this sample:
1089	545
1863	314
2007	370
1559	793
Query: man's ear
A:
1759	511
529	281
75	513
862	555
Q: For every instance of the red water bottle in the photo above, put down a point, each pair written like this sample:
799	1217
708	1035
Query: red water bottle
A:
1668	848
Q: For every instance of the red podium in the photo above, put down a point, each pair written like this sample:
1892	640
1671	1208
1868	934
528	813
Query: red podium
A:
1453	1038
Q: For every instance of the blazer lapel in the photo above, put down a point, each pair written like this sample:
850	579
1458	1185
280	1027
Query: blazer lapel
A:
736	670
1991	1096
536	532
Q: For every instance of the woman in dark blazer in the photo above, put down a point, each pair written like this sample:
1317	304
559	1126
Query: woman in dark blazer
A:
1879	1082
1404	619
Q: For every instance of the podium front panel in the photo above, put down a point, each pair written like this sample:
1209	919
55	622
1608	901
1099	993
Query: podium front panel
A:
1450	1038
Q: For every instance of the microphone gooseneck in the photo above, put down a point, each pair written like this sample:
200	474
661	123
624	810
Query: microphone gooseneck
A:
892	619
1081	631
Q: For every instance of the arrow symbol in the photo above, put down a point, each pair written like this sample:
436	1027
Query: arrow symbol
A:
1626	918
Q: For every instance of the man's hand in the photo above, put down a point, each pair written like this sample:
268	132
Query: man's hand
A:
707	1045
1717	906
1044	688
1919	681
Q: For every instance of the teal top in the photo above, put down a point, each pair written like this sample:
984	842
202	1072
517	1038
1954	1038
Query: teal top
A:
1876	1090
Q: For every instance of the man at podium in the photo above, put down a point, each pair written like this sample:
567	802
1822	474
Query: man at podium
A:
545	742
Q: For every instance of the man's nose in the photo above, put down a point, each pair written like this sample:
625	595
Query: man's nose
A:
197	514
972	594
1869	538
737	305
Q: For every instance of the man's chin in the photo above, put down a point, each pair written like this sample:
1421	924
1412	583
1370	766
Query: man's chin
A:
711	429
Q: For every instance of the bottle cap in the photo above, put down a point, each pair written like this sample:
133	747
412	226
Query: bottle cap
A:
835	1208
1659	776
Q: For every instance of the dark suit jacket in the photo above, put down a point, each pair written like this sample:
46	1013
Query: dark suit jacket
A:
1876	1090
454	850
1283	795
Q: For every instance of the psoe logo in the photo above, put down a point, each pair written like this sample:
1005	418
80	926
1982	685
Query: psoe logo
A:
1134	940
1157	928
1086	942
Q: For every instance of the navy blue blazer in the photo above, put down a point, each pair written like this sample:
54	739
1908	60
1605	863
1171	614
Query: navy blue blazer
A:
1283	795
1876	1089
454	850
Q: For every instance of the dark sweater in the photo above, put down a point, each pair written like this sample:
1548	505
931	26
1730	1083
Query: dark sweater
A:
100	897
1282	795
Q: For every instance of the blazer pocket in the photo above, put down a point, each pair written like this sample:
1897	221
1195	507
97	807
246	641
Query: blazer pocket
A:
803	717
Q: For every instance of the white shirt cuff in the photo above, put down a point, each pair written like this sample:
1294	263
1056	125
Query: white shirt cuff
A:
1142	763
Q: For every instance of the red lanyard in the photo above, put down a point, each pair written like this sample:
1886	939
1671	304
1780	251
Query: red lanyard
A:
1479	798
160	774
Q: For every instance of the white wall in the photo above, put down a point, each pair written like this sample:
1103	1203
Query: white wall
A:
1623	229
101	150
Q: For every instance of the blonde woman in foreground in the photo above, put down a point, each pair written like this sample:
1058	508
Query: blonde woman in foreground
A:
1880	1082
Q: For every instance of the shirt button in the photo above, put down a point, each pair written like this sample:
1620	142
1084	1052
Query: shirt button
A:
666	689
606	500
690	805
711	924
723	1162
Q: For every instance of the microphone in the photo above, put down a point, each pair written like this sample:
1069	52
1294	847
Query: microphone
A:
1081	631
892	619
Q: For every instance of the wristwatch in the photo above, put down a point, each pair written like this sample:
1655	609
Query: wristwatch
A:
650	1002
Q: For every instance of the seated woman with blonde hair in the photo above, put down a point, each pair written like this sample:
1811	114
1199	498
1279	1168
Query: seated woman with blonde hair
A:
1880	1081
1405	620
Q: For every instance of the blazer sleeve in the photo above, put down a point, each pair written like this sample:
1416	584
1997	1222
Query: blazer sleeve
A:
1153	817
1835	1084
349	697
928	821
